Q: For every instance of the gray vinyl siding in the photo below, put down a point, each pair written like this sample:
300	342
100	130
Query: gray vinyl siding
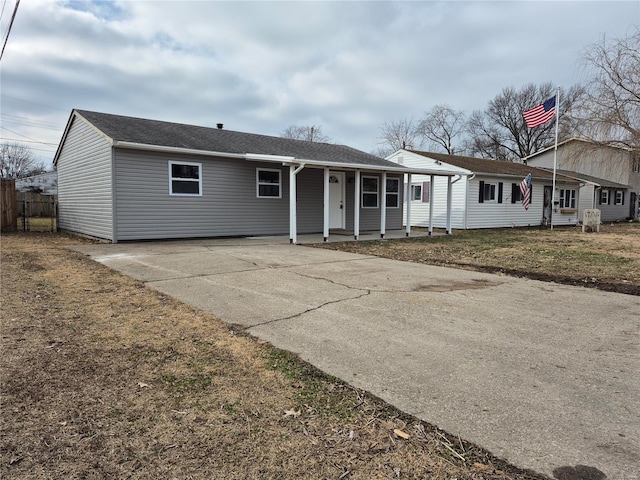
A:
228	205
611	212
85	182
310	204
370	217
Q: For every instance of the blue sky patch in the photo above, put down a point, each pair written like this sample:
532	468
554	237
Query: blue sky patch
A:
102	9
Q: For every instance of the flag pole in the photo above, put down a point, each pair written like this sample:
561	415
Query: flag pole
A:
555	160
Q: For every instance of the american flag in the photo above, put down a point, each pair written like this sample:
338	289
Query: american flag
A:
525	189
541	114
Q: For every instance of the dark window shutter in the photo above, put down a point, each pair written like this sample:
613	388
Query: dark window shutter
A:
531	194
610	192
426	192
500	187
623	197
514	189
481	197
600	197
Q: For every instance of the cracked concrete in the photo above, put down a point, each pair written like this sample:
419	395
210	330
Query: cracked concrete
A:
540	374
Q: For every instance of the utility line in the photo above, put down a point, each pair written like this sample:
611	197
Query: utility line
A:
27	141
34	103
19	134
30	122
13	16
3	5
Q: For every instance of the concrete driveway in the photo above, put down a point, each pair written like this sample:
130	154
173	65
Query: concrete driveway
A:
543	375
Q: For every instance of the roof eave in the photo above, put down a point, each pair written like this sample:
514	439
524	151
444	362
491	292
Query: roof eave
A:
278	159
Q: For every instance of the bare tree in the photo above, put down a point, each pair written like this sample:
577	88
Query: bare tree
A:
611	111
441	125
312	133
397	134
17	161
500	132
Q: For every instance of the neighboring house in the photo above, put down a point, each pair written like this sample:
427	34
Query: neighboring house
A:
485	193
45	183
608	197
123	178
614	171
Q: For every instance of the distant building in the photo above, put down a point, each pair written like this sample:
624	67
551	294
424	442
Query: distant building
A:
45	183
612	175
484	193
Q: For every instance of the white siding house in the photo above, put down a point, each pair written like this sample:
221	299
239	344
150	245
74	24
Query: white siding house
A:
485	193
610	175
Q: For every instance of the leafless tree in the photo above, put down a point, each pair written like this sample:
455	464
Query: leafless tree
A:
312	133
611	111
17	161
500	132
397	134
441	125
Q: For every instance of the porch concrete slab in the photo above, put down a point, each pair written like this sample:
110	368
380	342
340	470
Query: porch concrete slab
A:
542	375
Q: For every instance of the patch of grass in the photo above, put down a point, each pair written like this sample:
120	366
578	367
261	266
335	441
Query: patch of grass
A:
314	391
609	259
186	384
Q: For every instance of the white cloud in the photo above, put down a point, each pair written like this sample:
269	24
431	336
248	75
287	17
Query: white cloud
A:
261	66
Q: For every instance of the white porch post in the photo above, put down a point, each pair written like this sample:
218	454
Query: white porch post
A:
383	206
293	224
431	189
407	194
356	207
449	190
326	205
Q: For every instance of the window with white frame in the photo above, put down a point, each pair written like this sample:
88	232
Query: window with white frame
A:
567	198
268	183
636	165
369	192
393	193
416	192
619	200
604	196
185	178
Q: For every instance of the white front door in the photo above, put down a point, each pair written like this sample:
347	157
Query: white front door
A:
336	200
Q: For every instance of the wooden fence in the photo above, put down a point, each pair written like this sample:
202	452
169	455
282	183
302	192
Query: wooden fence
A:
8	211
32	204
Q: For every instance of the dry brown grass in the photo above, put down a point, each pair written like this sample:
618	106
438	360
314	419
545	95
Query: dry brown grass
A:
103	377
609	260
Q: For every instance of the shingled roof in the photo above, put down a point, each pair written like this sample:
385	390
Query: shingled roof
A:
167	134
491	167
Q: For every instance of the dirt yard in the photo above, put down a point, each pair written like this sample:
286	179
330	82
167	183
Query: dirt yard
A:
609	260
103	377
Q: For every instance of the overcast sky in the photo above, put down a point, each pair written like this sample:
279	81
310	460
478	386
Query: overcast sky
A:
262	66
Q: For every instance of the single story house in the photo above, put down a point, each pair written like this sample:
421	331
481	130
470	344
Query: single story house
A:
607	196
485	193
124	178
612	174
